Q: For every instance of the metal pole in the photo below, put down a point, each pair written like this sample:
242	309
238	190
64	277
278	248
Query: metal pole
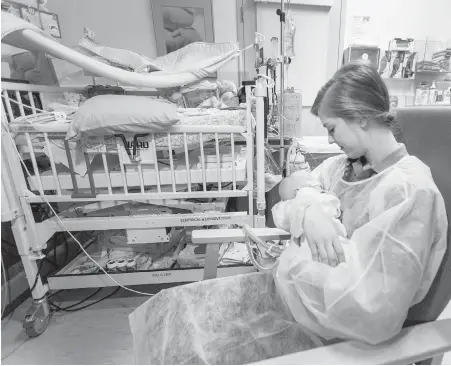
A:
260	93
282	84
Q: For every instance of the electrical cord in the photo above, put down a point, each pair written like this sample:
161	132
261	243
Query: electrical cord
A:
55	257
10	300
6	286
16	255
38	275
55	293
81	301
51	262
70	309
66	247
72	236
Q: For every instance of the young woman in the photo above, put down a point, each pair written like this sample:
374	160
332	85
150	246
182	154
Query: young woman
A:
393	212
396	223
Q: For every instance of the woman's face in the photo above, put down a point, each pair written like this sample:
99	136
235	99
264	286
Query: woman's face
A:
348	135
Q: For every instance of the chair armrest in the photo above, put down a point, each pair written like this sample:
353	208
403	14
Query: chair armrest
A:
226	235
413	344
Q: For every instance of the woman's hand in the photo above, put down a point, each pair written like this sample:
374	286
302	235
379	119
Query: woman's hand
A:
322	236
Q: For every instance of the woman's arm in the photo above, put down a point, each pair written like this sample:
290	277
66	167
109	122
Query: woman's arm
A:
367	298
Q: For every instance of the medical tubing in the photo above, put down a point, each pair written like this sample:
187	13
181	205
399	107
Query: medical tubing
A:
250	236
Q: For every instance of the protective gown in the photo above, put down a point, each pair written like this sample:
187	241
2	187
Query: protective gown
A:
396	222
397	225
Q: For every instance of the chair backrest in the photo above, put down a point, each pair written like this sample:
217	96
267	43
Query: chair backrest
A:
426	133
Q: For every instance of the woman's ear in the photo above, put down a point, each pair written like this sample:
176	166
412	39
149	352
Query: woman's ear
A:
364	123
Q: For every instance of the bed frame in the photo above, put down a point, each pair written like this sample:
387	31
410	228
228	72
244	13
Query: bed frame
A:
20	191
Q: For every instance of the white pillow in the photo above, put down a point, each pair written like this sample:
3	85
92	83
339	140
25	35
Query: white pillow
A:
111	114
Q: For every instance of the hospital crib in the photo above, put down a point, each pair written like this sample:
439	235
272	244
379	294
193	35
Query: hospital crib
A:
168	195
424	339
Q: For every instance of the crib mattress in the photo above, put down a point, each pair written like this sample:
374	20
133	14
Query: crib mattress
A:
111	145
188	117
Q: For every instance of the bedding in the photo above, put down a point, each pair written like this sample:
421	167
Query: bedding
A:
108	143
119	114
200	58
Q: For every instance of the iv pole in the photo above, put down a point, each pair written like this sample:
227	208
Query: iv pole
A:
281	14
260	61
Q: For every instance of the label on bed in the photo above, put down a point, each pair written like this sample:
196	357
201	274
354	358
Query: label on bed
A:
113	145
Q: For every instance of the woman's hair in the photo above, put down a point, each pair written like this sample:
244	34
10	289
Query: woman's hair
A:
357	91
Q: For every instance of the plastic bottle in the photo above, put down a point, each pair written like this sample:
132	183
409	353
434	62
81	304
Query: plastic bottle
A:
290	31
422	94
432	93
439	99
447	97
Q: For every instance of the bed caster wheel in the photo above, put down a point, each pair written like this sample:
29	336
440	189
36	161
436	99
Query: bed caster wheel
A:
37	318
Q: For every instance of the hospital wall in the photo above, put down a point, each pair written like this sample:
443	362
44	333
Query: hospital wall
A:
417	19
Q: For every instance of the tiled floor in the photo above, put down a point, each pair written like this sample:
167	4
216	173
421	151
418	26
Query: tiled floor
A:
97	335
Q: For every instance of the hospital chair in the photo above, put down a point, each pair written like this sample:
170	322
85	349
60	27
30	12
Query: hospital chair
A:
424	339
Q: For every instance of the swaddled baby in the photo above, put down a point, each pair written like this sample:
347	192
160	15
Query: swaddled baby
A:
296	192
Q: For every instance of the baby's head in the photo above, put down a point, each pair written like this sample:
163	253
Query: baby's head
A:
289	186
